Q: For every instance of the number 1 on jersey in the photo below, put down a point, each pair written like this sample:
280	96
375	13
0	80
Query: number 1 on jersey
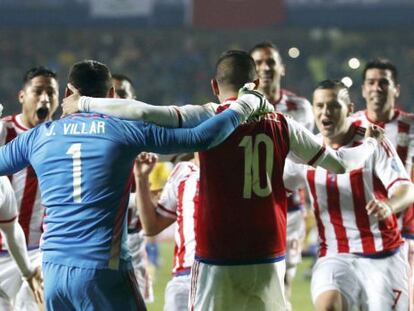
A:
252	165
75	151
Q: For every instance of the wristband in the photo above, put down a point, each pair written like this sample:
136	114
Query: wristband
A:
84	104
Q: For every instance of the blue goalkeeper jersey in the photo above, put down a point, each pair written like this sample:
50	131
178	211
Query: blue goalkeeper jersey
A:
83	163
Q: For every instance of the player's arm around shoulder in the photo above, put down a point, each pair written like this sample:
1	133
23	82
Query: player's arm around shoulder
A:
390	170
152	221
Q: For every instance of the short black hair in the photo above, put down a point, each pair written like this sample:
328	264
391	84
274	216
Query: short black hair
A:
91	78
338	86
381	63
38	71
264	45
235	68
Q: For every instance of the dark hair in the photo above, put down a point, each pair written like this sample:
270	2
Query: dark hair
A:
91	78
234	68
334	85
381	63
264	45
38	71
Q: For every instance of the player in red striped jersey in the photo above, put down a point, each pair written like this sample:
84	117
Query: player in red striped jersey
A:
177	203
39	98
381	90
360	263
270	68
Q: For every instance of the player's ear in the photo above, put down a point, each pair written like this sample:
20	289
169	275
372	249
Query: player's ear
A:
214	87
111	92
21	96
68	92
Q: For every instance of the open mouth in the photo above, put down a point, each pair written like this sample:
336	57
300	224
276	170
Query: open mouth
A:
42	113
327	123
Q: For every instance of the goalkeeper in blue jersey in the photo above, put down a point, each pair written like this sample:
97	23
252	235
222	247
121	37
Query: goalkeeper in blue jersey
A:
83	162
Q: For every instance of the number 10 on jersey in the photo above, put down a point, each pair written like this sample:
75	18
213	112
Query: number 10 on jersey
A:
75	151
251	146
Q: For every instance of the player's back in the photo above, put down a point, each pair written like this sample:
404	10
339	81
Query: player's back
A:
242	214
83	163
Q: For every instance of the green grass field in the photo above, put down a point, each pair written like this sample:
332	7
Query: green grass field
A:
300	292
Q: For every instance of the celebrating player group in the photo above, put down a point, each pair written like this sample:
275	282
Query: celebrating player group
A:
77	202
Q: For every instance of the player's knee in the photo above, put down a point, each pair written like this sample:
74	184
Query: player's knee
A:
331	300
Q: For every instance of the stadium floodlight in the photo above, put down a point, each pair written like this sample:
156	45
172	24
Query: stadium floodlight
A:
354	63
347	81
294	52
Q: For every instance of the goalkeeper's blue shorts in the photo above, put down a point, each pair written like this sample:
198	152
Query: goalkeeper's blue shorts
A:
80	289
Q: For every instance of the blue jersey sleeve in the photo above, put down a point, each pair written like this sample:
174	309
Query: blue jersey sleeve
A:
205	136
14	156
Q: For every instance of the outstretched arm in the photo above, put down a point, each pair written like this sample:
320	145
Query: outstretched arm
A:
308	150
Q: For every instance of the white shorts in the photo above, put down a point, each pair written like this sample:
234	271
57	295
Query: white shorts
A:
296	231
258	287
366	283
12	288
177	293
136	246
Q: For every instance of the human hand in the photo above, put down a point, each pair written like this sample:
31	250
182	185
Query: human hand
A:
70	103
144	164
35	282
380	209
256	101
375	132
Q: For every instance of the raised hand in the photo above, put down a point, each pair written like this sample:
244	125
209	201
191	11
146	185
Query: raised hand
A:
144	164
375	131
256	101
70	103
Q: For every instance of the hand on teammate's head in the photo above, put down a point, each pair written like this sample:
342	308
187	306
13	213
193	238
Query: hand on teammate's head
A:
70	103
375	131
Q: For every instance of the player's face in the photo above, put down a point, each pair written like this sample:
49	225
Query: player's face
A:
379	90
269	67
123	89
39	99
330	112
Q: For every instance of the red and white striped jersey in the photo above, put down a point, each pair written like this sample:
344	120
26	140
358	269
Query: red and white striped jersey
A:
400	132
8	207
25	186
339	200
300	109
179	200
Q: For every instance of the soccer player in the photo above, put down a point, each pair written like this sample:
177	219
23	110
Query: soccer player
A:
177	203
16	245
249	163
136	240
381	90
361	264
83	163
39	99
270	68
